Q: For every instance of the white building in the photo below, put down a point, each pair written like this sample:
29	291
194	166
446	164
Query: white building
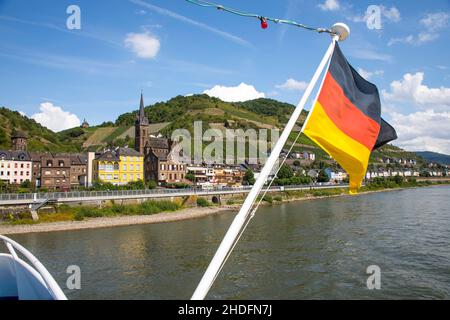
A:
15	167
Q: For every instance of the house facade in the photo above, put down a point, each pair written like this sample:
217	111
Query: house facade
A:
55	172
15	167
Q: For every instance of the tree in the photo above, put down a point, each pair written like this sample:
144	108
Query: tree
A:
26	184
249	177
297	163
3	137
398	179
190	176
285	172
323	177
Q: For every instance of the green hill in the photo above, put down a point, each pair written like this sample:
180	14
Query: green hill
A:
435	157
39	138
164	117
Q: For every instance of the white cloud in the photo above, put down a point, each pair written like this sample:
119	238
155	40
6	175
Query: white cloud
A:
423	131
392	14
412	89
292	84
330	5
144	45
55	118
369	74
435	21
422	37
242	92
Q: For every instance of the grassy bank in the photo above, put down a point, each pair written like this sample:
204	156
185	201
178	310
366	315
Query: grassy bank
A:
67	213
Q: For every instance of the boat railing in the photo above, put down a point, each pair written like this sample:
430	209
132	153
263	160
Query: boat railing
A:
51	284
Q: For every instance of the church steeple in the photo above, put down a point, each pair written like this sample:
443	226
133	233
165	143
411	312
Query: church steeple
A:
141	128
141	118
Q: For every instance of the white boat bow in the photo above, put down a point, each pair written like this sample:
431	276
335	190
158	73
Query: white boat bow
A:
22	280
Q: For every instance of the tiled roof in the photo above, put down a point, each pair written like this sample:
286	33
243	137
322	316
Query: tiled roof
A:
127	152
108	156
15	155
158	143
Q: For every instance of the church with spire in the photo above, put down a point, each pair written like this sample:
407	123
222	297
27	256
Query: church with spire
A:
141	129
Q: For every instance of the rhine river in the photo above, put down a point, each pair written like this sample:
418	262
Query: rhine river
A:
315	249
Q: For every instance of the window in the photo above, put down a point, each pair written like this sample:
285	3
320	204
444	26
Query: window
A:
21	165
138	176
64	172
1	173
124	177
48	173
131	177
124	167
116	177
21	173
61	163
138	167
28	166
108	177
131	167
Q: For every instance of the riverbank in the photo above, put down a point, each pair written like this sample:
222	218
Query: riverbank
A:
179	215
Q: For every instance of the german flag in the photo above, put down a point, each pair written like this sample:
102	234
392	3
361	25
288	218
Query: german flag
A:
346	119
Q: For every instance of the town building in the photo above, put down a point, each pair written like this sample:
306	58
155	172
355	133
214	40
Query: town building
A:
118	167
15	167
19	141
106	167
78	169
36	168
160	165
228	176
131	165
55	172
85	124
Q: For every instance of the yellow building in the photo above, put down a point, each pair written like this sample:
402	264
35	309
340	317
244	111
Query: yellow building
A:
119	167
131	166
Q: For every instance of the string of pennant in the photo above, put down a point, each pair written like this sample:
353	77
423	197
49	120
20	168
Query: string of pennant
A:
263	19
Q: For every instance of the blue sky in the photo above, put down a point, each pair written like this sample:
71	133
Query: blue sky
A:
167	48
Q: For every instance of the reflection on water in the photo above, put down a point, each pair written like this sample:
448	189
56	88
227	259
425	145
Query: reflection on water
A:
305	250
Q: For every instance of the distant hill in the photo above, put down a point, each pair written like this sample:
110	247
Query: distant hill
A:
39	137
178	112
435	157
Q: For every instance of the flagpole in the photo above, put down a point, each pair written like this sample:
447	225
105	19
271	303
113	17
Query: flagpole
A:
239	221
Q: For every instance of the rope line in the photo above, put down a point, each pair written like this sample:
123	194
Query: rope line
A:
207	4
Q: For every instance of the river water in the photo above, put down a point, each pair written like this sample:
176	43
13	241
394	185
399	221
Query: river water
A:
316	249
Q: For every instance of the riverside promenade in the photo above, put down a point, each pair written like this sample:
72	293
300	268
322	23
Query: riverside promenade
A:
89	196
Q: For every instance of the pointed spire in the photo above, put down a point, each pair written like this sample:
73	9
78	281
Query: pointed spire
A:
141	109
141	118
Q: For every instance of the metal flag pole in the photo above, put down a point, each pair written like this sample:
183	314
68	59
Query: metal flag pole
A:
235	230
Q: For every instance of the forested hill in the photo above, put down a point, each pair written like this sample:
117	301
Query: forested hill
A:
164	117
